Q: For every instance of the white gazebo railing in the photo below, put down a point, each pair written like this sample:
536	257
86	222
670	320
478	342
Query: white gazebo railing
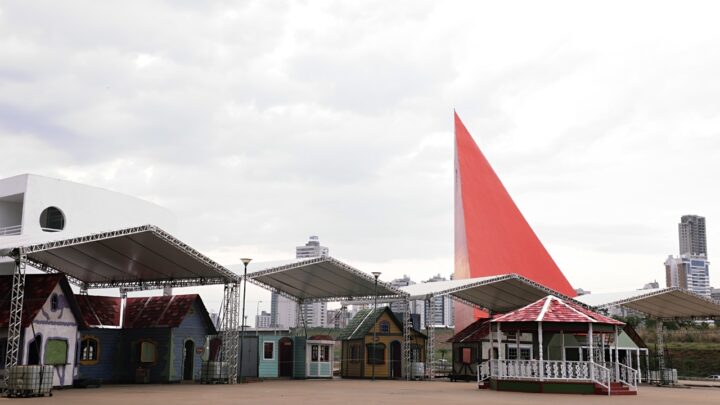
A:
624	374
553	370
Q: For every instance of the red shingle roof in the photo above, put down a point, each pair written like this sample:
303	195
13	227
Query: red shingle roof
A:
99	311
164	311
553	309
37	290
474	332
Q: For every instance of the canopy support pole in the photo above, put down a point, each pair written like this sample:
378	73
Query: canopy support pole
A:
430	327
16	309
230	335
406	340
660	350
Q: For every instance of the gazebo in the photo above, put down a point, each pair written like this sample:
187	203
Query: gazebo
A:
548	365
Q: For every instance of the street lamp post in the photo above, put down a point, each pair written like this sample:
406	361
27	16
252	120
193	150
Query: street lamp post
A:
245	261
376	274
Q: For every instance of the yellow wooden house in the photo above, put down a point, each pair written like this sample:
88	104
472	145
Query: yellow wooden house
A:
361	356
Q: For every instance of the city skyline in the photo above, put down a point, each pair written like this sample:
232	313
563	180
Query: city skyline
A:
589	129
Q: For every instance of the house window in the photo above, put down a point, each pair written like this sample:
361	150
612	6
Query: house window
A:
384	327
146	352
525	353
89	347
54	302
376	353
325	353
512	353
56	351
314	353
268	350
355	354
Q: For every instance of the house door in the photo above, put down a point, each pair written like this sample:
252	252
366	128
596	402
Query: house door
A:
189	357
396	359
34	350
285	358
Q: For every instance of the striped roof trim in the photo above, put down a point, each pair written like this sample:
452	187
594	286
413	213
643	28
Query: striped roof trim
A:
554	309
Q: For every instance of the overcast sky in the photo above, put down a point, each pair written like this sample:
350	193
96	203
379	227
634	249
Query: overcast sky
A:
261	123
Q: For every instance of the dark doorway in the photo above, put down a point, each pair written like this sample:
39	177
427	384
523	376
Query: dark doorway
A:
34	351
285	359
189	360
395	359
215	346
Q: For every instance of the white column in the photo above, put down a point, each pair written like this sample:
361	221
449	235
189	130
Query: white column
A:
617	355
540	347
602	342
517	344
590	351
562	336
639	373
501	354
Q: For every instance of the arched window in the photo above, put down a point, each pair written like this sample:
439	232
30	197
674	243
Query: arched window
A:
54	302
52	220
384	327
34	350
89	350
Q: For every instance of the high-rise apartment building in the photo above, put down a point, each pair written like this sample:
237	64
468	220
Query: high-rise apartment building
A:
691	232
689	273
443	314
284	310
264	320
691	269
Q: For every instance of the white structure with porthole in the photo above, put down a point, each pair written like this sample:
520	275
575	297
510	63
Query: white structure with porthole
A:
36	207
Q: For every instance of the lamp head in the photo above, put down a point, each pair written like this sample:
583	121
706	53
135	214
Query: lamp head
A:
376	274
246	260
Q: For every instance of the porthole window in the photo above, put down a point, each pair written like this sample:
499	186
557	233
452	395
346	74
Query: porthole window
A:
52	220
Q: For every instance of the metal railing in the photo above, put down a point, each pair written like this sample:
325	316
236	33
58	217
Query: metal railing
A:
626	375
10	230
552	370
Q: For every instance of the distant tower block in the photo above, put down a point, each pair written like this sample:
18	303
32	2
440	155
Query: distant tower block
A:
491	234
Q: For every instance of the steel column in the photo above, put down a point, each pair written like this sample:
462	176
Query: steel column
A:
407	348
16	309
430	328
660	350
230	333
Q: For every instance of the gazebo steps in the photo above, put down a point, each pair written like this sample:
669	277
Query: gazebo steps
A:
615	389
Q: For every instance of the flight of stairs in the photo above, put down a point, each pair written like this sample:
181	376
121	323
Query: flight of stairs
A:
616	388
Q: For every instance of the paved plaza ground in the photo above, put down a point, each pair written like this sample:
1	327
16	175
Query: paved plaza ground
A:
348	392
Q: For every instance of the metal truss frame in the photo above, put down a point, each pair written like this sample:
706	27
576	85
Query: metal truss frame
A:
229	330
224	275
407	348
430	329
625	301
16	309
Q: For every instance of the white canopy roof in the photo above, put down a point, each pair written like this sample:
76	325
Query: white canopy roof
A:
664	303
138	257
501	293
319	279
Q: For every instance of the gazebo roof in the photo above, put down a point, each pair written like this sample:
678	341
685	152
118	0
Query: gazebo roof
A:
554	309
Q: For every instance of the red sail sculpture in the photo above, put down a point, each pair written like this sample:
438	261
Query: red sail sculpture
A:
491	235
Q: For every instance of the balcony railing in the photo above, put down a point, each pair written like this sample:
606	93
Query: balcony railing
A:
553	370
10	230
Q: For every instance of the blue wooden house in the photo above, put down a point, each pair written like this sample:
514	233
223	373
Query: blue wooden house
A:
281	356
161	339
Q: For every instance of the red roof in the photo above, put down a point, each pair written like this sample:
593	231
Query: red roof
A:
553	309
163	311
474	332
38	288
99	311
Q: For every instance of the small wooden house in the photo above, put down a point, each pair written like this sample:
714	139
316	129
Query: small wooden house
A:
360	354
281	356
161	339
320	356
49	324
